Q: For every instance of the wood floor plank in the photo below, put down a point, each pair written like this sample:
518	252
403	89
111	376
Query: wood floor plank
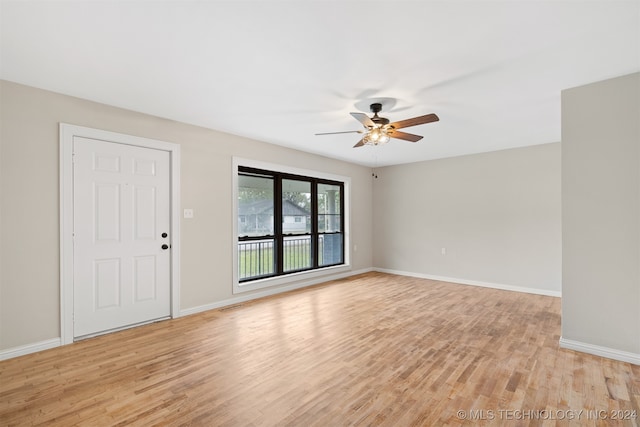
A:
371	350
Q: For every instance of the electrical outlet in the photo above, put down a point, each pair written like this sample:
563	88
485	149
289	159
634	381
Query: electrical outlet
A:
188	213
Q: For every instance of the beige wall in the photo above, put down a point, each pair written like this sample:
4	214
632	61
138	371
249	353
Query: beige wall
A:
497	215
601	214
29	203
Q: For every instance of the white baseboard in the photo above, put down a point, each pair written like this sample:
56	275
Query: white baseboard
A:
268	292
610	353
22	350
473	283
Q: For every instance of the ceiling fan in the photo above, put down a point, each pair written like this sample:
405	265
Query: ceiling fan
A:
378	130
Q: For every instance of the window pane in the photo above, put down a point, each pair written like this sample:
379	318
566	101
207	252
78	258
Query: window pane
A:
297	253
296	207
329	216
330	249
255	258
255	206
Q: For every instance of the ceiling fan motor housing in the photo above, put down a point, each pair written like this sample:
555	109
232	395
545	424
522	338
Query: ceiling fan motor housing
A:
375	109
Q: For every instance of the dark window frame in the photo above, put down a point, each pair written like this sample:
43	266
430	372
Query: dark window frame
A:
279	235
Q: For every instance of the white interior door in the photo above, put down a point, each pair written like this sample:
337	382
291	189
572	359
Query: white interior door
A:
121	235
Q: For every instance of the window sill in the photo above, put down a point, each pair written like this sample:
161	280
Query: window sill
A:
312	277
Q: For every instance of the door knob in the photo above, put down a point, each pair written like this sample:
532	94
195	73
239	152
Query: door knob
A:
164	235
165	246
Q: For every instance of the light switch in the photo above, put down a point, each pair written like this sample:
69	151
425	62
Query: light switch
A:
188	213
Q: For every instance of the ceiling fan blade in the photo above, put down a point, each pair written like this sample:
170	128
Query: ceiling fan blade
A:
364	119
414	121
335	133
359	144
403	135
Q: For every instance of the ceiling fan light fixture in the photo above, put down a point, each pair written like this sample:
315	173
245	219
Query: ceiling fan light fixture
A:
384	138
377	136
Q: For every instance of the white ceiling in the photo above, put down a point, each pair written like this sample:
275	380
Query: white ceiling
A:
281	71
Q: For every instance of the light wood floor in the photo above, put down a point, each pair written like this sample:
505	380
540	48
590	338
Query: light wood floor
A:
375	349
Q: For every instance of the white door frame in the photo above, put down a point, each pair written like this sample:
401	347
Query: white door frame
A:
67	134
